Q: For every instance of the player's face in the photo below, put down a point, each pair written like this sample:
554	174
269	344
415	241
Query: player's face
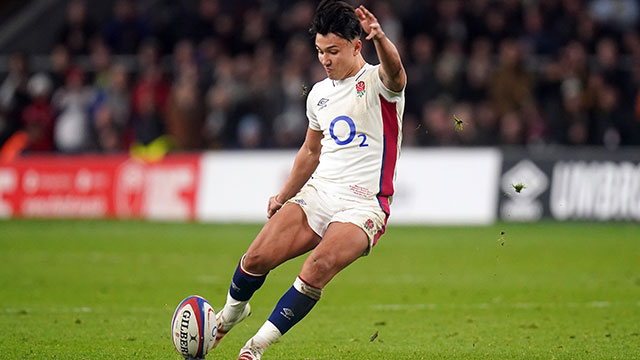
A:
338	56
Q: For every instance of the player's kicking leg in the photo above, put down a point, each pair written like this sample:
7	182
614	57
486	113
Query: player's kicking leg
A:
342	244
237	308
285	236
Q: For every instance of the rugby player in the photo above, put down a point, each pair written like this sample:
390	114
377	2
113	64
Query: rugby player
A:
335	201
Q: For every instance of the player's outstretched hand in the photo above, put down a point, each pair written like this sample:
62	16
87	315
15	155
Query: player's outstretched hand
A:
369	23
273	206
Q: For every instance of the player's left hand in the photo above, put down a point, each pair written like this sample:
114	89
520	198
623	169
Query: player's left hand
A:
273	206
369	23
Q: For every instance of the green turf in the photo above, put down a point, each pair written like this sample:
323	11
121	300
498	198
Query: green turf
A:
108	289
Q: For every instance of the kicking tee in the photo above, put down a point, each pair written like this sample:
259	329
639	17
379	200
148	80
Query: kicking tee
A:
361	121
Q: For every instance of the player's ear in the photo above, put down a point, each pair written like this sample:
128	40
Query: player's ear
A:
358	47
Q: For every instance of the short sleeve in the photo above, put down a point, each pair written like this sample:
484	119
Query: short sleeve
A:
311	114
390	95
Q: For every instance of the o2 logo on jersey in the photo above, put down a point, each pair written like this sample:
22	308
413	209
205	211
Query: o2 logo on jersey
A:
352	132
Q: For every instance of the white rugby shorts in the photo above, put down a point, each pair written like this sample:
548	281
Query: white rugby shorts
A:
322	209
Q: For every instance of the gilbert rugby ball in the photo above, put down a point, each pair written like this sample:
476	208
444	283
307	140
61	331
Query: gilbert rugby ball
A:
194	328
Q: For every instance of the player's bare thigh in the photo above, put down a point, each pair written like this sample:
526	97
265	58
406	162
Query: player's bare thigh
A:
285	236
341	245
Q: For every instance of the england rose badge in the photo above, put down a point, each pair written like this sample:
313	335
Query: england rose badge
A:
360	88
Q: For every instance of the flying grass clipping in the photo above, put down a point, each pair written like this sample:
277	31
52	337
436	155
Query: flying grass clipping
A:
458	124
518	187
501	239
373	337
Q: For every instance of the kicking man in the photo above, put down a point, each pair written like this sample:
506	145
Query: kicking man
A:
335	202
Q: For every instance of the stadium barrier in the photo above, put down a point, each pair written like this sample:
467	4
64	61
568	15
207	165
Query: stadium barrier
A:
434	186
99	187
569	184
431	185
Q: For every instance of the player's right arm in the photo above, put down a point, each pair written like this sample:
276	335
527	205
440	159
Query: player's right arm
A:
305	164
391	71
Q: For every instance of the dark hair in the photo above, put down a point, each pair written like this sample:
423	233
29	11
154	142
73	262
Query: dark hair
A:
336	17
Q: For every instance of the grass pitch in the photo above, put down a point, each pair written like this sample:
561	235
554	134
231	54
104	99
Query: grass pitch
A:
108	289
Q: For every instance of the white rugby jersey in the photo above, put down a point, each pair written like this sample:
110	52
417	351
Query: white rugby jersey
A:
362	125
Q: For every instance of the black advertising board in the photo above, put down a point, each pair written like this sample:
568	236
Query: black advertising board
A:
570	184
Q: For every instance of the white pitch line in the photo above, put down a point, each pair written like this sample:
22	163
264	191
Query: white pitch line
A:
599	304
80	309
402	307
497	305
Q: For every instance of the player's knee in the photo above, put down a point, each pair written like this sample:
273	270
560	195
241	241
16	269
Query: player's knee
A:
256	263
321	269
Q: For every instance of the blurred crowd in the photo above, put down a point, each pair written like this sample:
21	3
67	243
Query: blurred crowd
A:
231	75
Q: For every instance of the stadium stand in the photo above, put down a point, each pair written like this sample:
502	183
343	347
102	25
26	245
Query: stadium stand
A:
212	74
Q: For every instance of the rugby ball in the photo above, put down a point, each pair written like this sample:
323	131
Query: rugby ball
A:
194	328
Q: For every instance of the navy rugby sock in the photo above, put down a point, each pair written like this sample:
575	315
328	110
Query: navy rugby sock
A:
244	284
294	305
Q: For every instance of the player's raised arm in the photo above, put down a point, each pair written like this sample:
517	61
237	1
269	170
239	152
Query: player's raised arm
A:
392	72
304	165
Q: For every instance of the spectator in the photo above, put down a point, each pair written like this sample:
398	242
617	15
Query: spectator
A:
486	123
60	63
110	112
250	132
448	70
71	102
478	72
184	59
512	129
13	96
78	29
450	25
388	20
421	81
620	13
221	105
496	25
149	100
290	125
127	29
218	105
577	106
511	86
210	51
100	57
536	37
568	92
38	117
607	125
255	30
204	24
185	113
607	62
153	86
